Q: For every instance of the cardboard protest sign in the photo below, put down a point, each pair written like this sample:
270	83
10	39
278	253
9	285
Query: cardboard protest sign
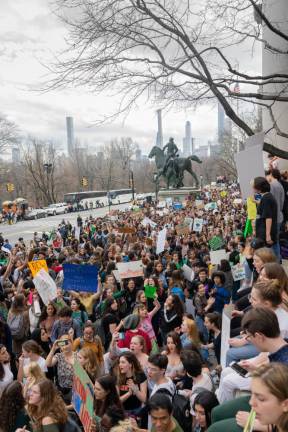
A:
83	396
225	334
149	242
198	225
199	204
36	266
217	256
182	229
116	275
238	272
161	239
126	230
249	163
188	273
130	269
78	277
210	206
251	209
45	286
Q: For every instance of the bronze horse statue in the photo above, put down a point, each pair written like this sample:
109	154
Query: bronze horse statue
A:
173	170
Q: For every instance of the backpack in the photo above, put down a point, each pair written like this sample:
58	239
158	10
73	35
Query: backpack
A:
181	409
16	325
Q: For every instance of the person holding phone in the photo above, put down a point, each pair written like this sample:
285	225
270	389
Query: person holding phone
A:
64	361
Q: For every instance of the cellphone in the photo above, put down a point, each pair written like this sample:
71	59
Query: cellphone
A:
63	342
239	369
121	335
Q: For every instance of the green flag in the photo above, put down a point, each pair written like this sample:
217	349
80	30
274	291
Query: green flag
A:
248	230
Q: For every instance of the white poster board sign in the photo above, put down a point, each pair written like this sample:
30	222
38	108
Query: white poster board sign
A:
249	165
217	256
198	225
188	273
225	335
130	269
45	286
161	239
238	272
77	232
146	221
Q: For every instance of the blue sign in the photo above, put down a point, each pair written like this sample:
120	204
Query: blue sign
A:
177	206
79	277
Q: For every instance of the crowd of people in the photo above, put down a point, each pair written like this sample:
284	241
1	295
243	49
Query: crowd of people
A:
153	345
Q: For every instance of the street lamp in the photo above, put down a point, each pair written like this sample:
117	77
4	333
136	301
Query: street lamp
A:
201	182
156	181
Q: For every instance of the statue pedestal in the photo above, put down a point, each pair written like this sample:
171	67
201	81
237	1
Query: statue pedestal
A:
178	195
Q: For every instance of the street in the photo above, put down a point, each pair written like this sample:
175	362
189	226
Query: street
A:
26	229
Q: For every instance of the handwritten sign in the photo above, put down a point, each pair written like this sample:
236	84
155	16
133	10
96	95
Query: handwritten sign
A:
130	269
188	273
83	396
217	256
198	225
182	229
161	239
45	286
238	272
36	266
251	209
126	230
79	277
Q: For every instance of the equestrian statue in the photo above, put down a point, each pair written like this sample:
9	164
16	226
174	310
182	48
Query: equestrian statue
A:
172	167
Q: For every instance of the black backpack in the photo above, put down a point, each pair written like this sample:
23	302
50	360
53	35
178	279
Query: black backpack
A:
181	409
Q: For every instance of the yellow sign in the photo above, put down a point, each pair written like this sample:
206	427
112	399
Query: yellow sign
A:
223	194
251	208
36	266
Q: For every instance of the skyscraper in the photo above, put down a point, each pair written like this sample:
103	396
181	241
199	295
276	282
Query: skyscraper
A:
70	135
15	155
221	123
159	139
187	141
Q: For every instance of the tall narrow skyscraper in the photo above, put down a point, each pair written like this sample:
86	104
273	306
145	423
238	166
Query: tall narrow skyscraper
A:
221	123
159	141
187	141
70	135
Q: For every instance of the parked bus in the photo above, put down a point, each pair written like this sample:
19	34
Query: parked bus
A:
102	198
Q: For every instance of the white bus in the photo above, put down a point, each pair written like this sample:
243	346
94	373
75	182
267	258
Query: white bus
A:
99	198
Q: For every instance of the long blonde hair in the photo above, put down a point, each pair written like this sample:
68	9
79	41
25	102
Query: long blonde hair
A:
192	333
33	370
51	405
92	366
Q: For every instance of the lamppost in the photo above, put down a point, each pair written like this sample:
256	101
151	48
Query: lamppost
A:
201	182
156	181
131	183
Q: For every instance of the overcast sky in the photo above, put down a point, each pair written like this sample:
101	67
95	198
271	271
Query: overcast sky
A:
29	35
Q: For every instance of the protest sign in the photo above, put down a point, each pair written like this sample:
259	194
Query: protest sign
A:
251	208
238	272
150	291
188	273
189	222
77	232
210	206
161	239
182	229
237	201
147	221
149	241
177	205
225	334
223	194
36	266
217	256
116	275
198	225
216	243
126	230
130	269
45	286
78	277
83	396
199	204
249	163
249	427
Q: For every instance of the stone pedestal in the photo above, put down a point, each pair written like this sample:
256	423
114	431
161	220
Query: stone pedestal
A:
177	195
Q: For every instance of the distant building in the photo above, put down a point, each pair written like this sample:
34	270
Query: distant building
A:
159	138
228	128
221	123
202	151
15	155
70	135
187	141
138	155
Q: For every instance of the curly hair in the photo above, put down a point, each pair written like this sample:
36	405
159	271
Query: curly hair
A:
51	405
11	402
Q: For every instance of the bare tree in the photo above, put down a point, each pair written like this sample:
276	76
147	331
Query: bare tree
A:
40	162
172	51
9	134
